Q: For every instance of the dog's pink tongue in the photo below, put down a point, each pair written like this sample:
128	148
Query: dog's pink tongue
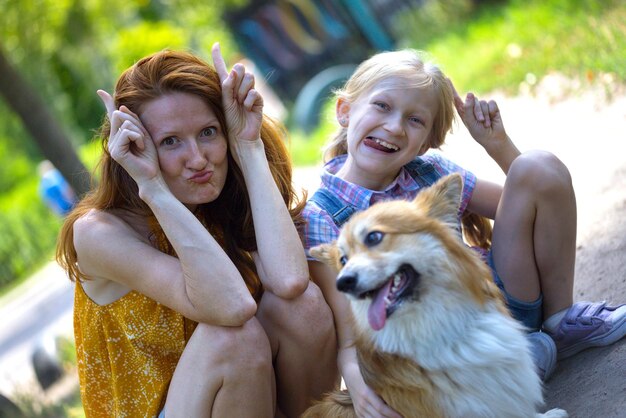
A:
377	312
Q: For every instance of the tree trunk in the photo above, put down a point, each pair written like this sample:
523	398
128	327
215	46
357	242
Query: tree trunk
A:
42	126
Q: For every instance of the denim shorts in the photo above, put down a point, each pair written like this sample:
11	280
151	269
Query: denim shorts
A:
528	313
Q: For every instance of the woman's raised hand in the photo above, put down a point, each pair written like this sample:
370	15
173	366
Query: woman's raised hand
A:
243	105
129	141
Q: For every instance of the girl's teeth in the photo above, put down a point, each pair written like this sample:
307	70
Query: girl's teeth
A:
386	144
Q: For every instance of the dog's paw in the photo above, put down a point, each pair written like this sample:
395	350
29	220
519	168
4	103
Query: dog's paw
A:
326	253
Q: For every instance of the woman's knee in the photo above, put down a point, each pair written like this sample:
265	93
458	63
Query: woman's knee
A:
221	360
541	172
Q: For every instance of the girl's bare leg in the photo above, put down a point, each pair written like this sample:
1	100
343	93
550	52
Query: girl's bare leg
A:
304	346
224	372
534	238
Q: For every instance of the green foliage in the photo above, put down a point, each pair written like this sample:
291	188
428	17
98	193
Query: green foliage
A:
145	38
306	150
67	352
15	166
15	137
68	49
28	229
90	153
51	44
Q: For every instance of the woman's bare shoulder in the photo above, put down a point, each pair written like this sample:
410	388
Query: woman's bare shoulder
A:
98	236
102	224
113	249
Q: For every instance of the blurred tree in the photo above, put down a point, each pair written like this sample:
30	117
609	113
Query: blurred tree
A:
48	69
42	125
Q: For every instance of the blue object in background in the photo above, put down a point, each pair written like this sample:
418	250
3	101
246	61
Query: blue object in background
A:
55	190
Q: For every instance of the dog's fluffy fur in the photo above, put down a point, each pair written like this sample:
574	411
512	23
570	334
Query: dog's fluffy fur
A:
434	338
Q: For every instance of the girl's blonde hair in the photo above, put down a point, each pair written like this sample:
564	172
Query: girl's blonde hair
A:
229	217
416	70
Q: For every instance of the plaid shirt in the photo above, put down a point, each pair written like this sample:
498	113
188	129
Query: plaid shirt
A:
320	228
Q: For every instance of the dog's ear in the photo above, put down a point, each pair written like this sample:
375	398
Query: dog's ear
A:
326	253
443	199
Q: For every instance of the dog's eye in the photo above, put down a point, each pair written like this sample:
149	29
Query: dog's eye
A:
343	260
373	238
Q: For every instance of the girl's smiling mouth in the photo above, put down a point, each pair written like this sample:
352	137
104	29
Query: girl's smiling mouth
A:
380	144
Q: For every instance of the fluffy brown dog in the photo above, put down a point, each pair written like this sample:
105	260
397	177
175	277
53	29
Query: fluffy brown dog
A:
434	338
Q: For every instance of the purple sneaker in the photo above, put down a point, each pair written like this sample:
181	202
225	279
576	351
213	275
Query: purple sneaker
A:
588	325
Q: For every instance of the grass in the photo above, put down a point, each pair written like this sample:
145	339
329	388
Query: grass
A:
581	39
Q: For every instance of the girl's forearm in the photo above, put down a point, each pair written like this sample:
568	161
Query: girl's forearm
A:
504	154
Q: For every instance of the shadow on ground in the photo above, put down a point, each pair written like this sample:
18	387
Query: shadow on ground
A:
591	384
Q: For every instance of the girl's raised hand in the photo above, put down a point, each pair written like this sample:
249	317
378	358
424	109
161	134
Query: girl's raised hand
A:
482	119
129	141
243	105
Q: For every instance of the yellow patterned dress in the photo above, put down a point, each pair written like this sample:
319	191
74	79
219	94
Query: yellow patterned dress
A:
127	352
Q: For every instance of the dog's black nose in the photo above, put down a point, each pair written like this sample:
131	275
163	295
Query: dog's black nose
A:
346	283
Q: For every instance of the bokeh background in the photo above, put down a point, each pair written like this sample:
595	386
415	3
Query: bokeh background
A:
54	55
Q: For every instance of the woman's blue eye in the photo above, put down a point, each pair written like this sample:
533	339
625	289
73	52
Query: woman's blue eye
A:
381	105
209	131
373	238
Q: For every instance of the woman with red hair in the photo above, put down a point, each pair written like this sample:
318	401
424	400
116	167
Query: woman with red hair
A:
192	290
